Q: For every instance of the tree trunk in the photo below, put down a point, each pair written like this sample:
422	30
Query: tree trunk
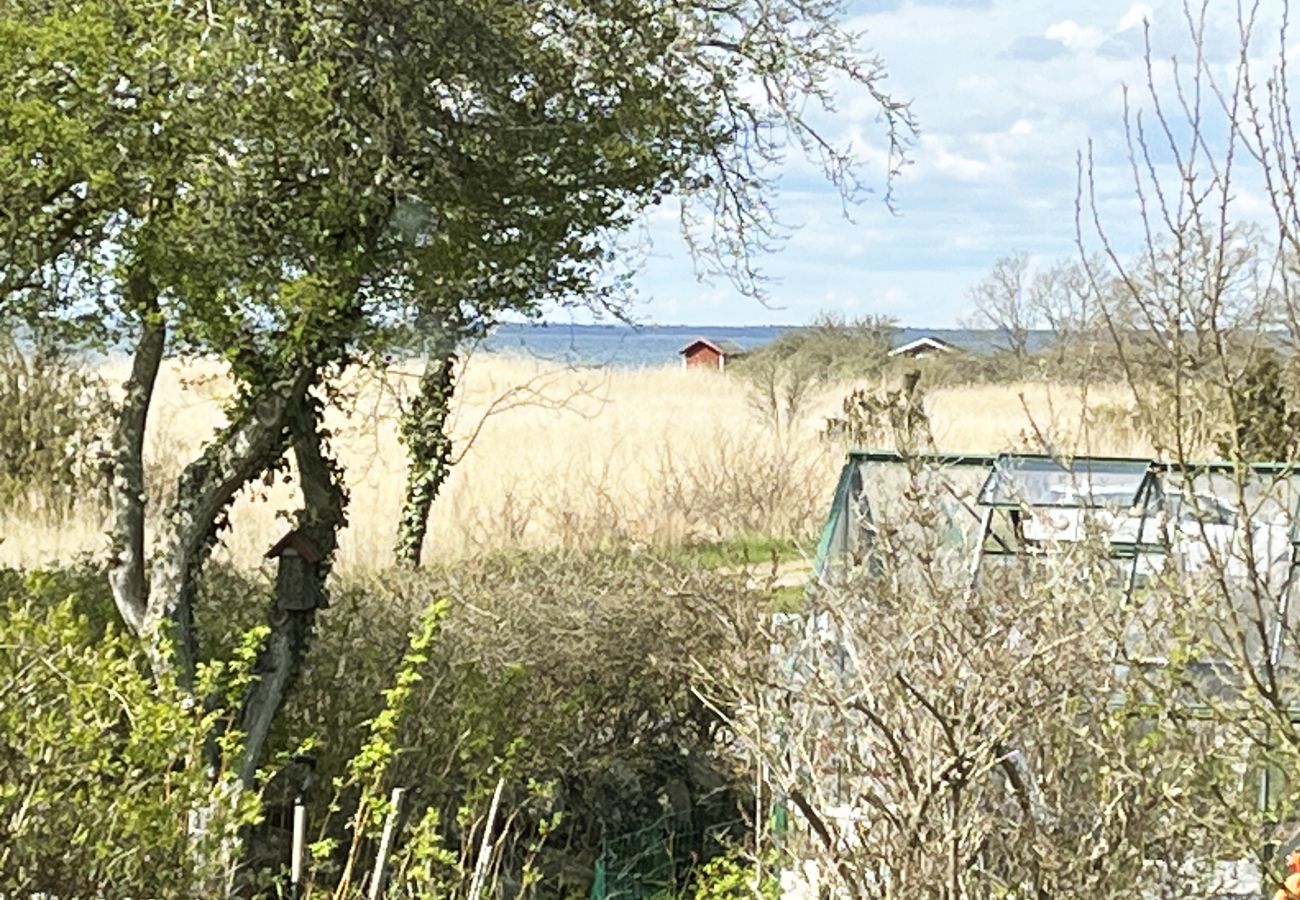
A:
252	442
255	439
292	617
428	446
127	487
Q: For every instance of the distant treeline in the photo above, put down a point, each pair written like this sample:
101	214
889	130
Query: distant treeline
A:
836	348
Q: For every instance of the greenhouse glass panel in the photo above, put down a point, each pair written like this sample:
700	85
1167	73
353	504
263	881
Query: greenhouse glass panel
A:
1036	481
926	505
941	495
1245	526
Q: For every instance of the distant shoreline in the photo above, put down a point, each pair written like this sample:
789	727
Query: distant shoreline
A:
621	345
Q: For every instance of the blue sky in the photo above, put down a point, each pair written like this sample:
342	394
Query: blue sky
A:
1006	93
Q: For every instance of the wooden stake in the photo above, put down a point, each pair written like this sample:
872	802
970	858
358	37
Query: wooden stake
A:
484	851
299	845
385	844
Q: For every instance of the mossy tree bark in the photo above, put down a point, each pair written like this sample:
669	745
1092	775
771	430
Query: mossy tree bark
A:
127	575
428	444
253	441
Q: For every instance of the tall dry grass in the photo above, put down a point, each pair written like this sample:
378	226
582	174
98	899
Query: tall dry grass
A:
569	457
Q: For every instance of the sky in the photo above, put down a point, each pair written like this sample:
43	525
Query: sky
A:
1006	93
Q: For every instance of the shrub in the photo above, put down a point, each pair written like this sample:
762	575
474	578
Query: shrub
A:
569	677
52	413
784	373
1265	426
734	876
101	770
894	418
730	487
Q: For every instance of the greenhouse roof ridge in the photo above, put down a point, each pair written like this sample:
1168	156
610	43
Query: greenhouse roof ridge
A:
988	459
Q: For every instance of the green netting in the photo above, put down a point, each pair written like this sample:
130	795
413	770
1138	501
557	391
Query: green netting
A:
655	863
636	866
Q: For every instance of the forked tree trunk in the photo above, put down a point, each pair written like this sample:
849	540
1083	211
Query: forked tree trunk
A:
157	601
253	441
428	445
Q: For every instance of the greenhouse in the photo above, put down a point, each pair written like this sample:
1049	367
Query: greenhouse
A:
1195	563
1144	513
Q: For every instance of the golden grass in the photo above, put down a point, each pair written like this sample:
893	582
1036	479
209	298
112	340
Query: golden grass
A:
571	457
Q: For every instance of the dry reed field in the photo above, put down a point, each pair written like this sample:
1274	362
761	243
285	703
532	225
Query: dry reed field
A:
556	457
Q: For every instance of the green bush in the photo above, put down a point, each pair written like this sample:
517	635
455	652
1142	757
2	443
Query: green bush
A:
1265	427
568	676
101	769
735	876
84	586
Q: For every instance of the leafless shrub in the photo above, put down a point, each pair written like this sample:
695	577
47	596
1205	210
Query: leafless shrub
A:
1117	420
737	488
935	734
783	376
886	418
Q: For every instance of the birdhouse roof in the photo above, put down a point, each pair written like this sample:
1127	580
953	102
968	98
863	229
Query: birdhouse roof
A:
295	543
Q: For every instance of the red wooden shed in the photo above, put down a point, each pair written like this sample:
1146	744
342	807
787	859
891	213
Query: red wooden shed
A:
704	353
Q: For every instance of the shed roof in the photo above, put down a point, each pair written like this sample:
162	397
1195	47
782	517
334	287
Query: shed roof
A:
927	342
719	345
982	341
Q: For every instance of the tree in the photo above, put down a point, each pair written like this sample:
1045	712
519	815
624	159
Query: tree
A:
720	165
1002	302
124	196
284	189
1065	304
1203	293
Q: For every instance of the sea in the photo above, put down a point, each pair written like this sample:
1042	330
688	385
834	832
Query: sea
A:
631	346
620	346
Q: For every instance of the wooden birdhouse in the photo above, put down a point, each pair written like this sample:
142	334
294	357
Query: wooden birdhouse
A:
297	585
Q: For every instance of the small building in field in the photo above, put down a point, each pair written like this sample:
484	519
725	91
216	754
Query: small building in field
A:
706	353
924	346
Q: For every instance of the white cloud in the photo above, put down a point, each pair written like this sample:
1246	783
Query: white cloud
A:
1136	15
890	298
1075	36
934	153
1021	126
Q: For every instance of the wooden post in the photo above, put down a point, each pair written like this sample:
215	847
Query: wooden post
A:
385	844
485	848
299	845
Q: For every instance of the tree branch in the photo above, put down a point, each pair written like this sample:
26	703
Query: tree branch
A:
320	519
